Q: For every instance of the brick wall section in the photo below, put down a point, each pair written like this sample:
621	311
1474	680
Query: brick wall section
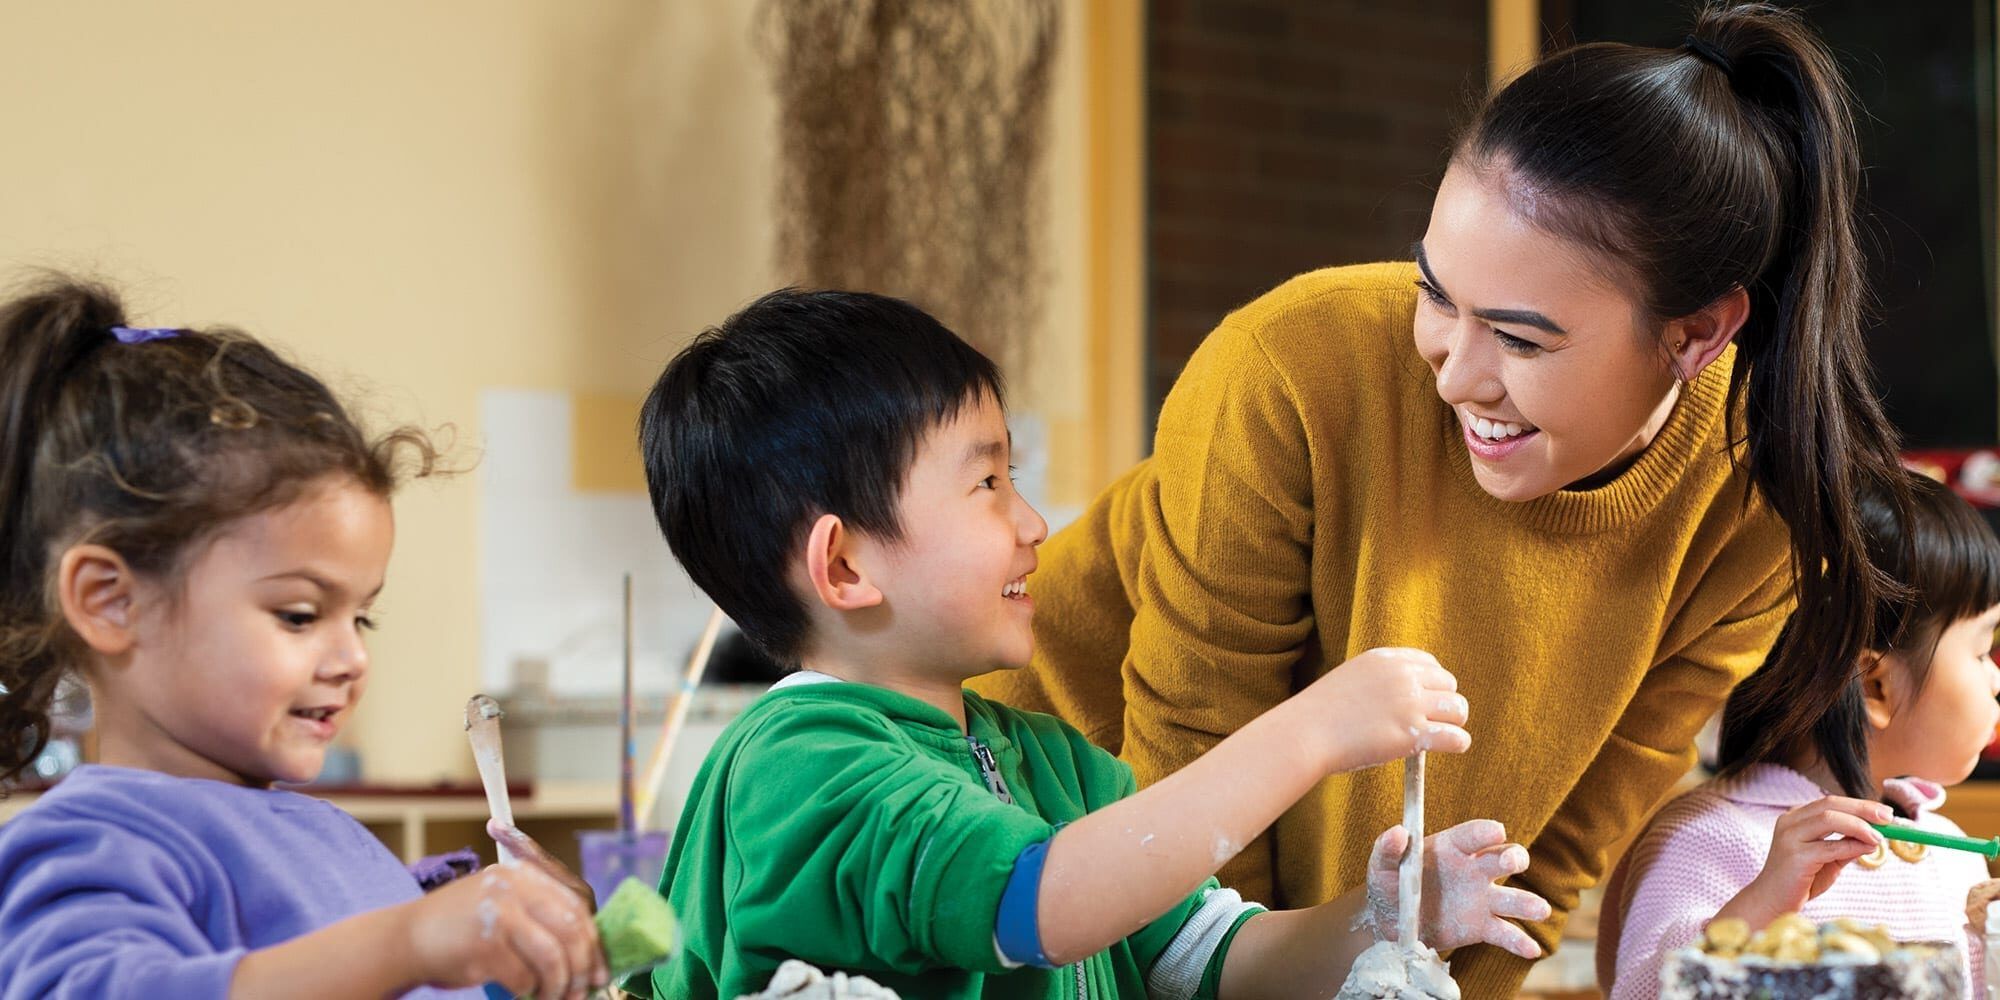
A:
1285	135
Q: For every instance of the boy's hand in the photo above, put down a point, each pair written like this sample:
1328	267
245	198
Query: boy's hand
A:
1462	904
1383	705
530	853
1803	863
511	924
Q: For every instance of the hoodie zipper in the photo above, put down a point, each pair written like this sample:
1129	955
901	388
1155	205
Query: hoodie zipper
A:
989	770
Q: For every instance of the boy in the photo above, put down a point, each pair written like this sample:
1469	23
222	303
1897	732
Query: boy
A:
832	469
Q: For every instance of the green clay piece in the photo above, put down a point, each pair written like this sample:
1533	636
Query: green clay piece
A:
637	928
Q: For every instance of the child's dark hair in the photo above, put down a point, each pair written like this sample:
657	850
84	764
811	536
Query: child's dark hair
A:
1948	560
1731	161
146	448
804	403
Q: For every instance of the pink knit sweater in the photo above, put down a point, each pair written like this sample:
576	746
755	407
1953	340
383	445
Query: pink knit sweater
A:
1706	845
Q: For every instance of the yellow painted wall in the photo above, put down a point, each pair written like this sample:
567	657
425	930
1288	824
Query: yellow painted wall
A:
1513	39
424	199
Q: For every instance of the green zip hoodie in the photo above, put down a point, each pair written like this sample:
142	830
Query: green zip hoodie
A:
855	828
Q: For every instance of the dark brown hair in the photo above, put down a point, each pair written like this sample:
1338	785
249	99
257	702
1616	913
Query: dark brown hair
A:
1732	162
146	448
803	403
1948	562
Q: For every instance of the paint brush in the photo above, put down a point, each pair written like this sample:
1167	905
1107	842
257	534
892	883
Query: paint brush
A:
625	824
1989	847
677	710
482	728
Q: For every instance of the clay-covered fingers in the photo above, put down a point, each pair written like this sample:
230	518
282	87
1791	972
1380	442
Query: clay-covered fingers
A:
1502	934
1470	837
1466	902
1451	708
1384	704
511	972
1389	848
1519	904
1496	863
1444	710
1423	667
550	946
545	957
556	910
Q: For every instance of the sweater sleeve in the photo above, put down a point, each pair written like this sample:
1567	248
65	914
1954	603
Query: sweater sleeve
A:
1222	607
1696	858
1650	748
90	909
850	850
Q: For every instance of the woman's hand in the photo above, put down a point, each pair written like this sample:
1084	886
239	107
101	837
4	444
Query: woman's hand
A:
531	853
511	924
1383	705
1804	862
1463	903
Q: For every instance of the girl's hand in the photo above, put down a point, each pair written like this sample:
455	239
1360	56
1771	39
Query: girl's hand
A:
1463	903
1383	705
511	924
1803	863
531	853
1977	900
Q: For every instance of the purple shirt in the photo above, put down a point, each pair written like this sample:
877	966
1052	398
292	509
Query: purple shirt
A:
125	883
1704	847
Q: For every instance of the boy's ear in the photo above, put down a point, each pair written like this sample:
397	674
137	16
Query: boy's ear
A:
95	589
836	576
1881	687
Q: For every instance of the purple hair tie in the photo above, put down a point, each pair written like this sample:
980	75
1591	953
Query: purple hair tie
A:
140	335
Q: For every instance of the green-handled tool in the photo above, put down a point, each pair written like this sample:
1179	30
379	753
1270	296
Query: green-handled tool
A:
1990	847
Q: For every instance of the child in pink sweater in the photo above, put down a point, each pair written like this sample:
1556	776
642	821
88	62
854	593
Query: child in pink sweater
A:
1787	828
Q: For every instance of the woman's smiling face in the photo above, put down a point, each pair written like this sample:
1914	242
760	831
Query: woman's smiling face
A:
1555	376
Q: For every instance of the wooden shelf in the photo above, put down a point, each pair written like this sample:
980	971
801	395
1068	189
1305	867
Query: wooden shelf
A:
1975	806
416	825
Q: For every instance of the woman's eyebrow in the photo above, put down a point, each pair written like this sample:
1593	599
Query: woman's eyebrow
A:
1525	317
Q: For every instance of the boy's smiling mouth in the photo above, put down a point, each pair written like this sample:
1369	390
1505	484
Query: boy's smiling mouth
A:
1016	589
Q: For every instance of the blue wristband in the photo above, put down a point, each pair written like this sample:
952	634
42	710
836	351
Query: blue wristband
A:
1018	930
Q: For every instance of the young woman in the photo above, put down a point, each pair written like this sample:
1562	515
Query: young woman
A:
1588	451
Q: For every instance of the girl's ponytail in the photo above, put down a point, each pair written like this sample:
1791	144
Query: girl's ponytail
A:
44	336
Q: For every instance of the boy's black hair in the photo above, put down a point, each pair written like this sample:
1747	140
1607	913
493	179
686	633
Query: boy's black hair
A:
804	403
1947	558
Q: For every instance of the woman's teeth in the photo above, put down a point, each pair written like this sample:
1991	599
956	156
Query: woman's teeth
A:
1018	588
1494	430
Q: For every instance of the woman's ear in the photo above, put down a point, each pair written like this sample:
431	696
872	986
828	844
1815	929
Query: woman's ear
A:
834	567
1883	684
95	588
1694	341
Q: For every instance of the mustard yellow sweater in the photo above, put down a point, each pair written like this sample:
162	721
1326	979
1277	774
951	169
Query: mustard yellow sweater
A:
1309	497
